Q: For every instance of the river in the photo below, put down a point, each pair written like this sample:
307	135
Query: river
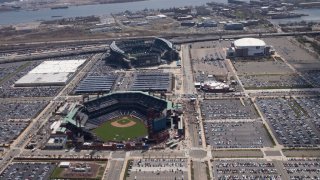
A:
24	16
313	15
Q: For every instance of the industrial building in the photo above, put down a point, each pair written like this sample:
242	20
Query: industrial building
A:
233	26
50	73
207	23
188	23
248	47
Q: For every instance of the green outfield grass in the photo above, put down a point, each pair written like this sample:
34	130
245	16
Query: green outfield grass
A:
107	132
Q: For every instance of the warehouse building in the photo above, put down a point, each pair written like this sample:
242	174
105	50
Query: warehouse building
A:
207	23
233	26
50	73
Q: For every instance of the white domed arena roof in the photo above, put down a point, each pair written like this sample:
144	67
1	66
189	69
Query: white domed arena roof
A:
249	42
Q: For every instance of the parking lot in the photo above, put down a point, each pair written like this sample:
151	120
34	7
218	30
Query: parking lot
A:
8	89
157	169
9	68
259	169
7	84
273	81
41	171
100	69
245	169
20	111
10	131
311	106
313	76
207	62
302	168
228	109
236	135
290	123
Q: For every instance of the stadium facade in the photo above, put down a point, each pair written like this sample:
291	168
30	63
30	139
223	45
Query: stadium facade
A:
248	47
152	111
140	53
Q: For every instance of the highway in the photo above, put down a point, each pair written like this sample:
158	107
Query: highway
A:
182	38
213	37
52	54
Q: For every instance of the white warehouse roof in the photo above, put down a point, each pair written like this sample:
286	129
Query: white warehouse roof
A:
248	42
43	79
50	73
63	66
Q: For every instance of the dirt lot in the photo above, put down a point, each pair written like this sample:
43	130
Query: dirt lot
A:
261	67
294	54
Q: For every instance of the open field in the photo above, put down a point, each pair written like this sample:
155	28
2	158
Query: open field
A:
301	152
237	153
109	132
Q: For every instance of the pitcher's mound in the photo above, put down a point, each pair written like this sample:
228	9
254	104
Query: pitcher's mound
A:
125	122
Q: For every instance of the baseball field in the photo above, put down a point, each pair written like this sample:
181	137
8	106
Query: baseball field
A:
121	129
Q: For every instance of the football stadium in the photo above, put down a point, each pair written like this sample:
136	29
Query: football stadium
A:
140	53
119	117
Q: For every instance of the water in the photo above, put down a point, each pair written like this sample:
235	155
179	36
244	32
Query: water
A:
314	15
23	16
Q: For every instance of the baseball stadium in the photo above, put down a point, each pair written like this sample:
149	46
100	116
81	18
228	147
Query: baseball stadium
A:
140	53
120	117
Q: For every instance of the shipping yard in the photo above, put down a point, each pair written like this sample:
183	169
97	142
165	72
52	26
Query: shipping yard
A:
218	91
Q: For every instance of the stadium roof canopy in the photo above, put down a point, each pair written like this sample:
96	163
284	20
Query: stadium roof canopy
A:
169	103
70	118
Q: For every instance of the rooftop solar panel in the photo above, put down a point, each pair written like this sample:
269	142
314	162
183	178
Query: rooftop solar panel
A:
94	84
155	81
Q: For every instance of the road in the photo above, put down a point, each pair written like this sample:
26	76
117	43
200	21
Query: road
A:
114	170
45	55
188	82
199	169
